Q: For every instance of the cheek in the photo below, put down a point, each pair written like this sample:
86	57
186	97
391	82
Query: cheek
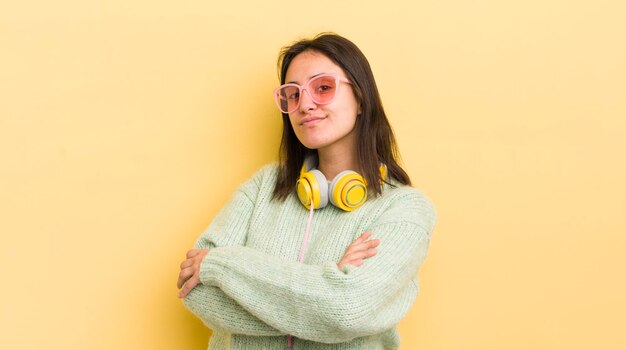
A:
348	116
350	107
296	130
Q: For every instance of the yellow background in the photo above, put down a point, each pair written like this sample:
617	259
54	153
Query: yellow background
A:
125	125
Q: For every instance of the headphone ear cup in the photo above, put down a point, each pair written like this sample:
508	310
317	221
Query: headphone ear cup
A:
348	190
312	185
322	188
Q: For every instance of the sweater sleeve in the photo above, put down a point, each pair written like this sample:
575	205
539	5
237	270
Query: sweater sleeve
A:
320	302
228	229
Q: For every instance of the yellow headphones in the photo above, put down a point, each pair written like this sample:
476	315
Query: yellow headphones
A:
347	191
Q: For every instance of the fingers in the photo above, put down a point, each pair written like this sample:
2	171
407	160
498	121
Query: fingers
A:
186	270
193	252
363	237
360	255
356	259
184	275
357	246
359	250
185	264
188	286
189	277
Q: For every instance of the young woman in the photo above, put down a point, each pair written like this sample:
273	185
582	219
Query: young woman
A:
321	250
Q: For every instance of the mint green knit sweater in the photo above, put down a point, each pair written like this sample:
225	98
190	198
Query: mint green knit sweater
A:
254	292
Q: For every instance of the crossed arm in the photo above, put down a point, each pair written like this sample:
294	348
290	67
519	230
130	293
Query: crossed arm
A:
215	308
239	290
189	277
219	311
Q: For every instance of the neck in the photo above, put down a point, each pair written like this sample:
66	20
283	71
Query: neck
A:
332	163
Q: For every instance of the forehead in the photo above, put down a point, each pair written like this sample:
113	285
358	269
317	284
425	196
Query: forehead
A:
308	64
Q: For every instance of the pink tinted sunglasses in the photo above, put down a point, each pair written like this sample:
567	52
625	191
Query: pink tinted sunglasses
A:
322	89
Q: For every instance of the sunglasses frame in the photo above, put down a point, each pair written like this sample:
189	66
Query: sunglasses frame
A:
302	88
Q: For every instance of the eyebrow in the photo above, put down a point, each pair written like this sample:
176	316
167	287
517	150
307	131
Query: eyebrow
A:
311	77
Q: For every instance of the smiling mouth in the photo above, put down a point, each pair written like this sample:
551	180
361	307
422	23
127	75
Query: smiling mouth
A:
310	120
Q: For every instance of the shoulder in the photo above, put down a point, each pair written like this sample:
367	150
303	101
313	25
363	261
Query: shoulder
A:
267	172
407	204
263	180
406	195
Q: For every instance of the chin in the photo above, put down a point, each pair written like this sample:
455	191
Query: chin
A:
316	144
312	143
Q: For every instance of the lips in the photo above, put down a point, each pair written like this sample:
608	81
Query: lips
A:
310	120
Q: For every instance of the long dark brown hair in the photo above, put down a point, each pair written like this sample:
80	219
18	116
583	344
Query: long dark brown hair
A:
375	141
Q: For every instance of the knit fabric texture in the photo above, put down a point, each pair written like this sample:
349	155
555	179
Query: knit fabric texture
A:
254	292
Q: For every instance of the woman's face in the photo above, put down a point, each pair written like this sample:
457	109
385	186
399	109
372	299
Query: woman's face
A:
322	126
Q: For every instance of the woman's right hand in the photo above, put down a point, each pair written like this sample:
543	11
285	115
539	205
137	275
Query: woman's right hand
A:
189	275
359	250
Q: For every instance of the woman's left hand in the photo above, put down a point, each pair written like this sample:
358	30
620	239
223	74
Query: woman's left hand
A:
189	275
359	250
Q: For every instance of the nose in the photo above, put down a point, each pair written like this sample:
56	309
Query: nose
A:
306	102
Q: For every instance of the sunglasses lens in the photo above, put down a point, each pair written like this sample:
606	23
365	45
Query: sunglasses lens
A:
288	97
323	89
